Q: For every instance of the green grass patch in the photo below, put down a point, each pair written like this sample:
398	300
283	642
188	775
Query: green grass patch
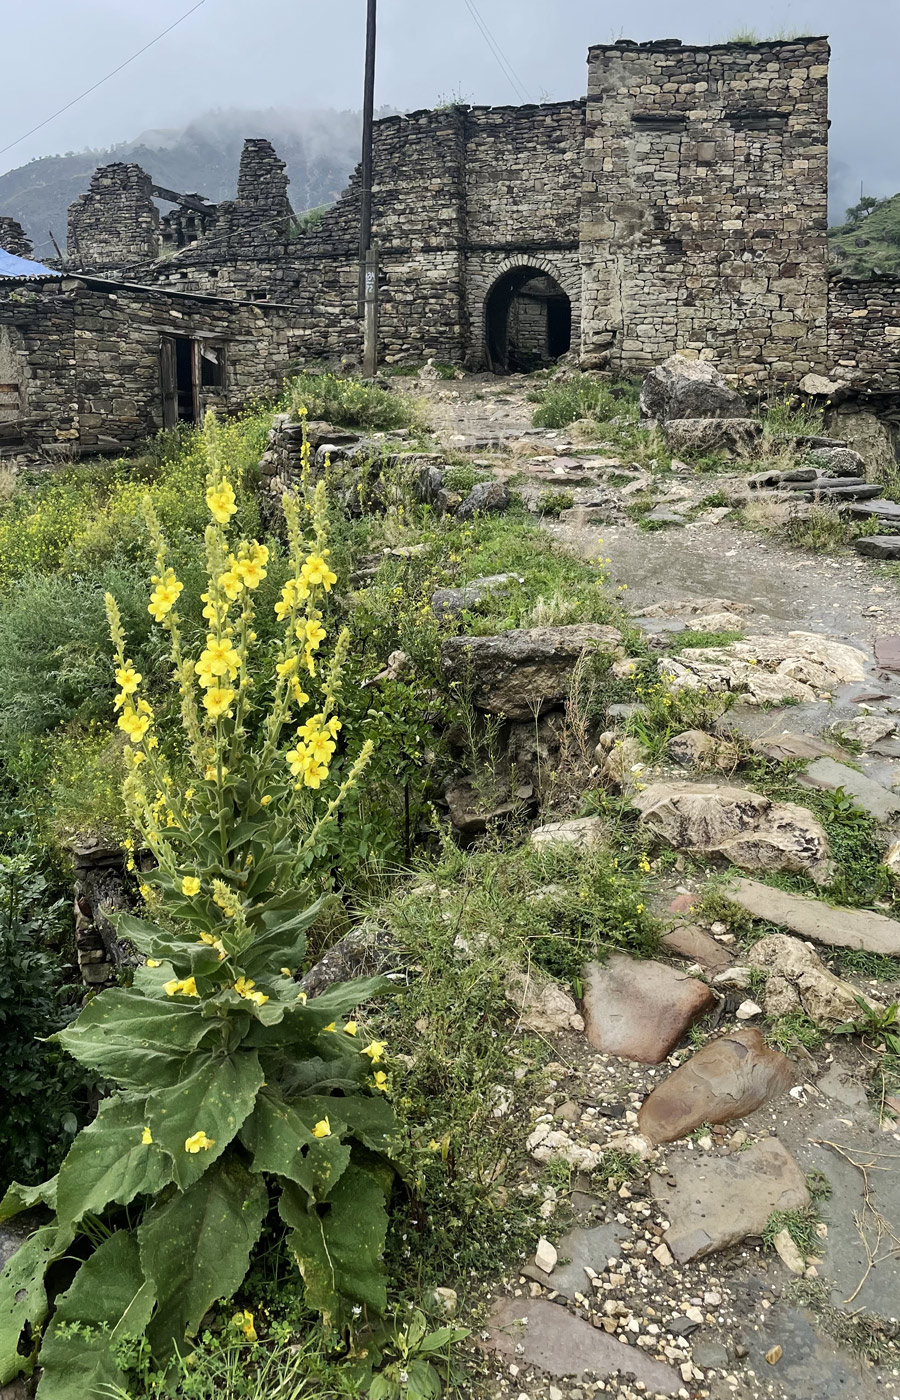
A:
349	403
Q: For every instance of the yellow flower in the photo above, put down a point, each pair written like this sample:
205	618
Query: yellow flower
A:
350	1028
302	998
219	657
322	1129
315	777
264	801
231	583
220	500
251	572
381	1081
190	886
146	1137
331	1027
288	667
286	972
128	678
375	1050
199	1143
134	725
244	1322
217	701
164	595
315	633
244	986
259	997
152	962
185	988
316	572
216	943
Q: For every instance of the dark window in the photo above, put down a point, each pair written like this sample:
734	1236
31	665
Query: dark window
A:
212	366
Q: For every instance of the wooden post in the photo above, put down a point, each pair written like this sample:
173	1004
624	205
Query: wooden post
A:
370	336
368	271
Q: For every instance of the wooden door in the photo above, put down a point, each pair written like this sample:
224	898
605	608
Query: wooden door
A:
168	378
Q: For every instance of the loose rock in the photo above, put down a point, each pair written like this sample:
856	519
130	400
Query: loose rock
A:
799	979
640	1010
522	673
542	1004
813	918
683	388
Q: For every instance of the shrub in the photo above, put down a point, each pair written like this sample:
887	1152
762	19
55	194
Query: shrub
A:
43	1092
582	397
227	1082
349	403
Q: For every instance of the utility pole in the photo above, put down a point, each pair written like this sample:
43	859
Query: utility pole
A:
368	257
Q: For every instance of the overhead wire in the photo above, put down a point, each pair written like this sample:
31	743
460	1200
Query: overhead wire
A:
87	92
505	65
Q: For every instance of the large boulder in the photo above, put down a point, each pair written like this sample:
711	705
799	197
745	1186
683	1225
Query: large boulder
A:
736	438
639	1010
524	672
768	669
487	497
683	388
798	980
728	1078
839	461
746	828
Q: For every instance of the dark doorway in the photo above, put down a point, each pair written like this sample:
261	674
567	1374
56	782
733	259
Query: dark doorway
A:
528	322
178	375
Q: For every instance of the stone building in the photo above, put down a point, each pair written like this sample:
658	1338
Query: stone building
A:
680	205
95	365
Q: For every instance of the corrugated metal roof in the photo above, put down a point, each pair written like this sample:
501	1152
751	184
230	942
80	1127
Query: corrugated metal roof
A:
12	266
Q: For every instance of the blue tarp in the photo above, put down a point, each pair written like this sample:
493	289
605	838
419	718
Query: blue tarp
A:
11	266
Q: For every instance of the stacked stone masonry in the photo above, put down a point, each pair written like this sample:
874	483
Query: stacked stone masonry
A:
13	239
680	206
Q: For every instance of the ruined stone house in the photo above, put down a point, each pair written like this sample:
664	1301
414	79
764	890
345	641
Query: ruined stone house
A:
681	205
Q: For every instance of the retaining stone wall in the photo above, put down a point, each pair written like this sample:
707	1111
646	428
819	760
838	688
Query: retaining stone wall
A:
864	332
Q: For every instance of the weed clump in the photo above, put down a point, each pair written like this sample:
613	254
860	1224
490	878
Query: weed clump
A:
348	403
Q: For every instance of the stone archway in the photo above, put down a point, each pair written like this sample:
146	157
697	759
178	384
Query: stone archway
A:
527	321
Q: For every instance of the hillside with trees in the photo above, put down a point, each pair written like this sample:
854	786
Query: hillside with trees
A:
869	241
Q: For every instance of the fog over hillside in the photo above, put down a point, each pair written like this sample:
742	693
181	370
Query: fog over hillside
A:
321	149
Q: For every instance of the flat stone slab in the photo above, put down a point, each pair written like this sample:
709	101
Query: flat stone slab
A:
580	1248
887	652
523	672
452	601
728	1078
640	1010
884	510
813	918
689	941
713	1202
879	546
827	775
535	1332
784	746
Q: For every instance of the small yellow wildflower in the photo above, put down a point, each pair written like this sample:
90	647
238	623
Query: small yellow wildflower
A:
350	1028
375	1050
322	1129
216	943
128	678
146	1137
134	725
302	998
185	988
316	572
264	801
199	1142
152	962
244	1322
244	986
190	886
164	595
331	1027
381	1081
315	633
220	500
250	572
217	701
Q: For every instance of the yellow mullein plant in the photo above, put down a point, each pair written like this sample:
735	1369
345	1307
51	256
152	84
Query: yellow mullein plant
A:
233	1090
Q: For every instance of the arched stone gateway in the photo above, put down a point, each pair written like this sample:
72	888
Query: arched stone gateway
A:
527	321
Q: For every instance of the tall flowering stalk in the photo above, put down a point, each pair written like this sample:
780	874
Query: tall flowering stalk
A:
233	1090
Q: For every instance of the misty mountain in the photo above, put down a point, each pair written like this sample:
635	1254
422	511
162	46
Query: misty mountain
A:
321	149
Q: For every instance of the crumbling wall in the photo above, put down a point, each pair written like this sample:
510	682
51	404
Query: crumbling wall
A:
703	222
92	357
115	225
13	238
864	332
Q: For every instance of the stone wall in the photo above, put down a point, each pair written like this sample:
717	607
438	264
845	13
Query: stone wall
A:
115	225
703	219
864	332
90	357
13	238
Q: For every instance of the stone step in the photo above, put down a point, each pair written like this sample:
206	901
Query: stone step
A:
879	546
884	510
847	488
832	925
828	776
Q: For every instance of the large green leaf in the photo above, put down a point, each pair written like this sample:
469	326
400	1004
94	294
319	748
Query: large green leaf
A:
215	1097
108	1303
195	1248
136	1041
19	1198
339	1245
108	1161
282	1142
23	1297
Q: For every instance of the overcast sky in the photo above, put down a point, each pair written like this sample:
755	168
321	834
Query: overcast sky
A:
306	53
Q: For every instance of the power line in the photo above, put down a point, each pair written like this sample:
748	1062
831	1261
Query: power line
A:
506	67
19	139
